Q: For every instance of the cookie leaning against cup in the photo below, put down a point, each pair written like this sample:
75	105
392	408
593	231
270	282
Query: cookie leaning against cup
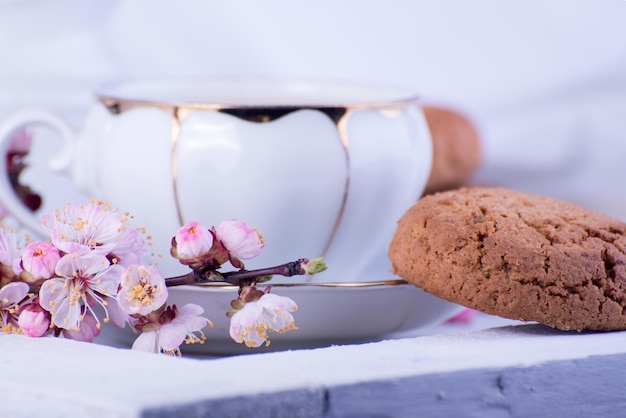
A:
516	255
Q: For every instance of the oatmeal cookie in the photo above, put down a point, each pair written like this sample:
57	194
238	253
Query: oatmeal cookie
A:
516	255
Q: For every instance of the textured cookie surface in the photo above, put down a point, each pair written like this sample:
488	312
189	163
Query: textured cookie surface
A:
456	149
516	255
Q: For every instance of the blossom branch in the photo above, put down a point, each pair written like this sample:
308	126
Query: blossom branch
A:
93	259
239	277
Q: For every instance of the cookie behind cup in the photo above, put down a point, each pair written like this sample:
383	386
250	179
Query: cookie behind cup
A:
457	152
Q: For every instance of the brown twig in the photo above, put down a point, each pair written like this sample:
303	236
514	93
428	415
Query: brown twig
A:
238	277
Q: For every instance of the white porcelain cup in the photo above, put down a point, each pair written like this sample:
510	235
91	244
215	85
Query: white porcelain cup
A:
319	168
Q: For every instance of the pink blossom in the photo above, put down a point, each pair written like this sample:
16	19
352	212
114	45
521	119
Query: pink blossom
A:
242	242
130	248
88	330
466	316
270	312
193	240
174	327
40	259
118	317
21	142
11	245
84	227
82	280
34	320
142	290
11	295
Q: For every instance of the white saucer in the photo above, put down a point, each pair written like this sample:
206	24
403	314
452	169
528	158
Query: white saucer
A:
328	314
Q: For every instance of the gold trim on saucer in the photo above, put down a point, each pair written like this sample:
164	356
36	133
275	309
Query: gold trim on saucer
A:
394	282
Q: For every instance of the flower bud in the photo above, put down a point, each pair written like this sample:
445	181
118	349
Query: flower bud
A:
242	242
314	266
40	259
34	320
192	242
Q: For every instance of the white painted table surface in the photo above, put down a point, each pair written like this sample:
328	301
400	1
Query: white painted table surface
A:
54	377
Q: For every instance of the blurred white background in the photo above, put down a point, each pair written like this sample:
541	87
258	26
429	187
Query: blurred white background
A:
544	80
